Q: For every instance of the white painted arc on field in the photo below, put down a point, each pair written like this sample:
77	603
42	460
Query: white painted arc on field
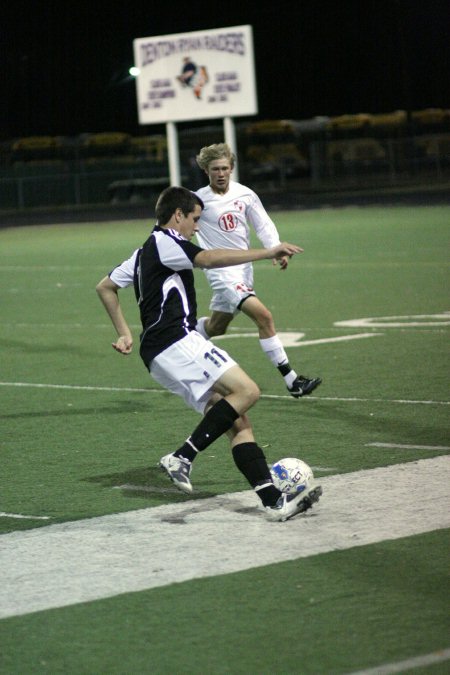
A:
409	664
407	321
86	560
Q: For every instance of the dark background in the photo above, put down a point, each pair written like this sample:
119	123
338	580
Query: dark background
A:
64	64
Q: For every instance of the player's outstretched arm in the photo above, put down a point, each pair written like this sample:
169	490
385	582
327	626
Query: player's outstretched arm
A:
108	293
225	257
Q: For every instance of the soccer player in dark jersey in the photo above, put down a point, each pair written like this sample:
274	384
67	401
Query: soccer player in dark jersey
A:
181	359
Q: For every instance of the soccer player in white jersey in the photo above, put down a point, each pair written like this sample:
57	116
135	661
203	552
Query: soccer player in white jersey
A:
181	360
229	209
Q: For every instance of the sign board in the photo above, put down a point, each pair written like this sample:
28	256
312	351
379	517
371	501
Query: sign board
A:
193	76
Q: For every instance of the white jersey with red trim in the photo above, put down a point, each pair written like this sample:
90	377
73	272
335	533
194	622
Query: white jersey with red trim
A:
225	220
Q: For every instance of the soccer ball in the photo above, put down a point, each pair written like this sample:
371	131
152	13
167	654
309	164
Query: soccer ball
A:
292	475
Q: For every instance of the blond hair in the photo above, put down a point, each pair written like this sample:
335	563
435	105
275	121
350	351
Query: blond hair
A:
216	151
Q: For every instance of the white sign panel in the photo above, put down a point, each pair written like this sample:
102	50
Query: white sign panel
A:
193	76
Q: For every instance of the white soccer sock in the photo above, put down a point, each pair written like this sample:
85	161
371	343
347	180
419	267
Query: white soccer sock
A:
274	351
200	327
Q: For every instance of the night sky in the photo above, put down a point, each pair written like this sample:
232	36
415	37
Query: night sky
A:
64	64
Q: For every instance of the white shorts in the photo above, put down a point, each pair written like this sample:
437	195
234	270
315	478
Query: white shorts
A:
190	367
231	286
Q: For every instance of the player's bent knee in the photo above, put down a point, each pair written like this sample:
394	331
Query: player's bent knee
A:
240	389
216	329
218	323
217	326
246	396
265	320
253	393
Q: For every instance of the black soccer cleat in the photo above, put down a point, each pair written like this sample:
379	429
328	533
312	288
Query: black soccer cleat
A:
302	386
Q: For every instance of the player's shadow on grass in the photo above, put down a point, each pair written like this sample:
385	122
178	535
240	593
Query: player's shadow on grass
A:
384	426
125	407
148	482
33	347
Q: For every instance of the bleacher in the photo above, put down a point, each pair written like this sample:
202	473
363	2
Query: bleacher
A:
115	167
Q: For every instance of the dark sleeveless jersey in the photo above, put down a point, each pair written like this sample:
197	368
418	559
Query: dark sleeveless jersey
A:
161	272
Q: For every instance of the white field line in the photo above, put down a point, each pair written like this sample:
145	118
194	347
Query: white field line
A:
142	390
239	333
341	338
295	339
77	387
3	514
401	446
85	560
360	400
288	339
403	666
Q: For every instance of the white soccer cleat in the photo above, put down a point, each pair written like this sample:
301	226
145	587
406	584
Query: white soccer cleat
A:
288	506
178	470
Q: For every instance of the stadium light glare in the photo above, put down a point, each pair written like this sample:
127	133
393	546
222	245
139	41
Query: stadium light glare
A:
134	72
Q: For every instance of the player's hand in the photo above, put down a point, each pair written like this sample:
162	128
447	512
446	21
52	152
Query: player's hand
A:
124	345
282	262
285	250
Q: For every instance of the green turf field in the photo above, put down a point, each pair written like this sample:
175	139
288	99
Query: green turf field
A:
80	423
